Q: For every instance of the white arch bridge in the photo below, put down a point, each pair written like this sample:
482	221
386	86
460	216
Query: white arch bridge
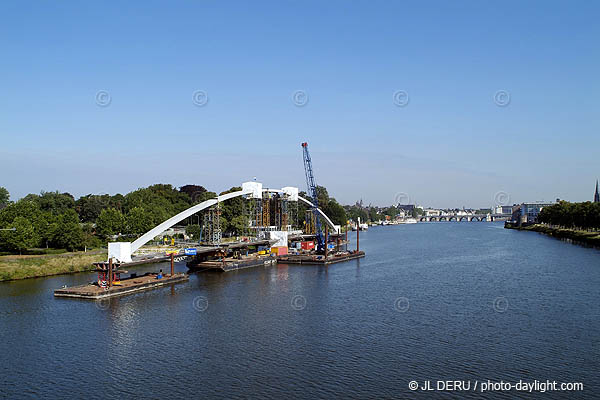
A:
122	251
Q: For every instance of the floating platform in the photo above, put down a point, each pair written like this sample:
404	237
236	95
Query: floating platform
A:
320	260
125	286
231	264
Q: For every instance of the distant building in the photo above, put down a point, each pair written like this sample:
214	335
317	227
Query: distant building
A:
596	195
428	212
401	215
527	213
406	207
507	210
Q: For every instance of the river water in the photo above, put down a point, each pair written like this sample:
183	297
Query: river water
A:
431	301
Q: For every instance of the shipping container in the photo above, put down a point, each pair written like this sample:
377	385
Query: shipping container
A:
308	245
279	250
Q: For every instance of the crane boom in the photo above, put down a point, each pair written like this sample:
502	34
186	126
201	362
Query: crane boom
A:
312	191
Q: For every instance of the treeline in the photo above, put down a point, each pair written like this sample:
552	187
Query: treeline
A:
572	215
56	220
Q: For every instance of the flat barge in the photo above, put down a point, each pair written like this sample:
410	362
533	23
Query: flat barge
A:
311	259
123	287
230	264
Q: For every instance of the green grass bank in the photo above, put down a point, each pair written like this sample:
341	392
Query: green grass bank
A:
32	266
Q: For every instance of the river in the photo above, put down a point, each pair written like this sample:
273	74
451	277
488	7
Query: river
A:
466	301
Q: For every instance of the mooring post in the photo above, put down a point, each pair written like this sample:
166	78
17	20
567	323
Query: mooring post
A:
110	273
357	234
346	235
172	261
326	240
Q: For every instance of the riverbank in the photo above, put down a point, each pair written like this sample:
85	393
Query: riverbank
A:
21	267
576	236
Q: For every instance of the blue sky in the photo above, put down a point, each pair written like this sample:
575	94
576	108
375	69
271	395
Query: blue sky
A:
451	145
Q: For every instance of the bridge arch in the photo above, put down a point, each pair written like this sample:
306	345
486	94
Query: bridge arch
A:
122	251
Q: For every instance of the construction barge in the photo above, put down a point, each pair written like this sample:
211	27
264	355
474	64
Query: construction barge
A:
312	259
126	286
227	264
110	284
247	254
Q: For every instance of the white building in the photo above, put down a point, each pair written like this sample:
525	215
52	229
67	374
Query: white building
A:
429	212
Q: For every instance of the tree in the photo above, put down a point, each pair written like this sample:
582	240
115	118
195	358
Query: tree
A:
138	221
30	210
238	225
224	224
336	212
110	222
89	207
193	231
197	194
4	197
355	212
374	214
572	215
159	196
391	211
89	236
232	207
66	232
22	238
55	202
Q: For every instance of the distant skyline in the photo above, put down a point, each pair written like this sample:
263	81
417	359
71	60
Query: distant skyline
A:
448	105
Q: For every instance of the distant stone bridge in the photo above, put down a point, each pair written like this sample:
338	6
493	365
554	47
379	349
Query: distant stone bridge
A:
468	218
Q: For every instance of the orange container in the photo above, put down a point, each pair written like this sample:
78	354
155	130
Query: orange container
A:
280	251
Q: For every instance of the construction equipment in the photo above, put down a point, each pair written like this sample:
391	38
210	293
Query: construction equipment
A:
312	191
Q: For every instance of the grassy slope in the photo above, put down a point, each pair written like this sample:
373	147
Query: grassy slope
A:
21	267
591	238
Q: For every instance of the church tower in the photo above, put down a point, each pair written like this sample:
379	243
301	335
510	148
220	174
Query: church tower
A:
596	195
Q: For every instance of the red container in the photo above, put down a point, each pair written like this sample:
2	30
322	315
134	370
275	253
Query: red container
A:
308	245
282	251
